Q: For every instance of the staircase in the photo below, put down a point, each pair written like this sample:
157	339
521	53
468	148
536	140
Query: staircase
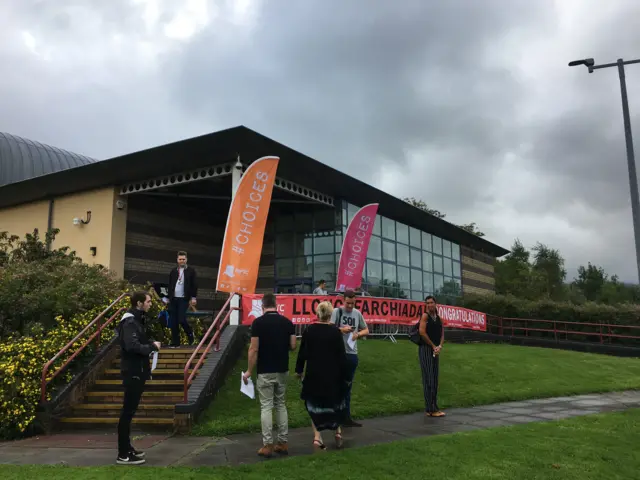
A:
103	402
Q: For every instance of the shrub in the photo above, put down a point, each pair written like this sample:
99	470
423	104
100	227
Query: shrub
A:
508	306
22	360
38	284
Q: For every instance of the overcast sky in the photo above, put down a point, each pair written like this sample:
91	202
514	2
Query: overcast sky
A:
468	105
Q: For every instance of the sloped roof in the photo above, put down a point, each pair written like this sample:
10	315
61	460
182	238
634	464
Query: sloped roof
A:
23	159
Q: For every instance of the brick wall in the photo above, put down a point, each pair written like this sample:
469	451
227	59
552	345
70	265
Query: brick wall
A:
158	228
478	275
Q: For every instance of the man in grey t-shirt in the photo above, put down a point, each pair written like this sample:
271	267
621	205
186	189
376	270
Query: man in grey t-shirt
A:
352	325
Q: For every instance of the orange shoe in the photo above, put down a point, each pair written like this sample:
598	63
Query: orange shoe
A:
282	448
266	451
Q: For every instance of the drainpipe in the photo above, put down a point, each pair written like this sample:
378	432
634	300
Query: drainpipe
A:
50	222
236	176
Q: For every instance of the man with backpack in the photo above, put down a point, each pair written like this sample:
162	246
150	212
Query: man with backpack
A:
352	325
135	348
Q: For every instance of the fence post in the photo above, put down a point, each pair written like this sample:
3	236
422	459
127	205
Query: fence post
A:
555	331
601	340
500	327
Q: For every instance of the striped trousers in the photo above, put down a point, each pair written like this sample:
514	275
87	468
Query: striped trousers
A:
430	368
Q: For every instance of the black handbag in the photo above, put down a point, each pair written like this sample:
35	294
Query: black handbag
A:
414	334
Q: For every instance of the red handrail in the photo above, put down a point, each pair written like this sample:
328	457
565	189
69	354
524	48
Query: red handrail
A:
216	323
47	366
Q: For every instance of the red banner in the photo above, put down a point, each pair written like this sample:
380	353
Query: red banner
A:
300	309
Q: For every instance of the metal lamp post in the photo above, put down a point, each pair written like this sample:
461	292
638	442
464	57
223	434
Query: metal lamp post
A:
631	161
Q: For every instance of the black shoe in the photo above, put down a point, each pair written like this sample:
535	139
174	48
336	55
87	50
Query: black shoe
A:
130	459
137	453
352	423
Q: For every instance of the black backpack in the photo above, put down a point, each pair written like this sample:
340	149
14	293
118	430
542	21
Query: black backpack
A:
414	334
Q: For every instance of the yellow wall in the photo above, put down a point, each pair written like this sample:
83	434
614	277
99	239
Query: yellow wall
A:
23	219
106	230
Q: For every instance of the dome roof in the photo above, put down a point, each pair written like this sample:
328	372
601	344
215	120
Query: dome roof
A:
22	159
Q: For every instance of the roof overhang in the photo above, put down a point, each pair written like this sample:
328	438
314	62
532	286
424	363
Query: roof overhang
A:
223	148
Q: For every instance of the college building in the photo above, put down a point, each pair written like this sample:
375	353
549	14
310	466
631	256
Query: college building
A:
134	212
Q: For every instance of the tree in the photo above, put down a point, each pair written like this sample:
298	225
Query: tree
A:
471	228
590	281
423	206
548	265
513	274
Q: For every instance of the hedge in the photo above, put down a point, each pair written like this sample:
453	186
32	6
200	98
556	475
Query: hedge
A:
508	306
22	360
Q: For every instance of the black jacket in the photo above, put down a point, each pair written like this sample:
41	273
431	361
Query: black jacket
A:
190	283
135	346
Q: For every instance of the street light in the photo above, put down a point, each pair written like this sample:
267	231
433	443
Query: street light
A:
631	161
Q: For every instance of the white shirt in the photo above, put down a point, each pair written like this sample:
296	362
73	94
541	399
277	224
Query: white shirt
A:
179	290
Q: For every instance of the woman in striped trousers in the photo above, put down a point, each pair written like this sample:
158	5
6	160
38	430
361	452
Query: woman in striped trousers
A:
432	333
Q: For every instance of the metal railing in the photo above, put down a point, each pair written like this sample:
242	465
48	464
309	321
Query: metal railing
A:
218	325
96	336
561	329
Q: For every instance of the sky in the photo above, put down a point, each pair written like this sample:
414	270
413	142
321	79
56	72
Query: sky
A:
467	105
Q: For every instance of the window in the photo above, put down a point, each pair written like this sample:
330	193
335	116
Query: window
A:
389	251
455	251
388	228
414	237
404	279
426	242
390	291
446	248
374	272
416	279
303	245
448	267
351	212
338	242
303	222
323	243
284	223
403	255
375	248
437	264
427	283
456	269
345	215
438	283
303	267
284	268
284	245
402	232
377	228
427	262
416	258
437	245
417	296
324	269
389	273
325	220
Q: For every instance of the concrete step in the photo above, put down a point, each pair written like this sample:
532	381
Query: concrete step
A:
152	385
113	410
155	373
148	397
92	421
164	363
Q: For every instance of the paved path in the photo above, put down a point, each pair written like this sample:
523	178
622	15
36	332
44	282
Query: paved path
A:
93	449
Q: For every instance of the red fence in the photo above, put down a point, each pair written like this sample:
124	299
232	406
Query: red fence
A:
565	330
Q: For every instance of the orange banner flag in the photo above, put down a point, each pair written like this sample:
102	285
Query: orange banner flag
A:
243	237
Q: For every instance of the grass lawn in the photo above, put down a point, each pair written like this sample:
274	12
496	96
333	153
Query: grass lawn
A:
593	447
388	381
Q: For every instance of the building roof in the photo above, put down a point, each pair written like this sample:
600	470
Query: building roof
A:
224	147
22	159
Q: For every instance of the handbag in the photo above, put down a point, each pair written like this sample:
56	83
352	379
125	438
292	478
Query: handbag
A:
414	334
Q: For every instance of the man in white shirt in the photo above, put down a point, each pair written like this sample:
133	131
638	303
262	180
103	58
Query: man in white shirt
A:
183	289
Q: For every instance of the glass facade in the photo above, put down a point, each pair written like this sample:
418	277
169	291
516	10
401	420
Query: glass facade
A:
402	261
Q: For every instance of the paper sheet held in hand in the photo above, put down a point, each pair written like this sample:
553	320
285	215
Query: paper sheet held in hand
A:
247	389
154	361
351	342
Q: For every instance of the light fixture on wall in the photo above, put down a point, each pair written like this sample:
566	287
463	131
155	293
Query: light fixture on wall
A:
80	221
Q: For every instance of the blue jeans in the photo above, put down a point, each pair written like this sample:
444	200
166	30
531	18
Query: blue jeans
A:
352	365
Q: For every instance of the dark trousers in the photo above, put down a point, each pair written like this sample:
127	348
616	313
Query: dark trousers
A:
430	367
352	365
178	317
133	388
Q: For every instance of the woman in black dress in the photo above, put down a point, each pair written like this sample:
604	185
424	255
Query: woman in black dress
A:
324	382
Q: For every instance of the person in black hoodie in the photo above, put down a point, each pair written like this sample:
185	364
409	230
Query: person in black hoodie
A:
135	348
